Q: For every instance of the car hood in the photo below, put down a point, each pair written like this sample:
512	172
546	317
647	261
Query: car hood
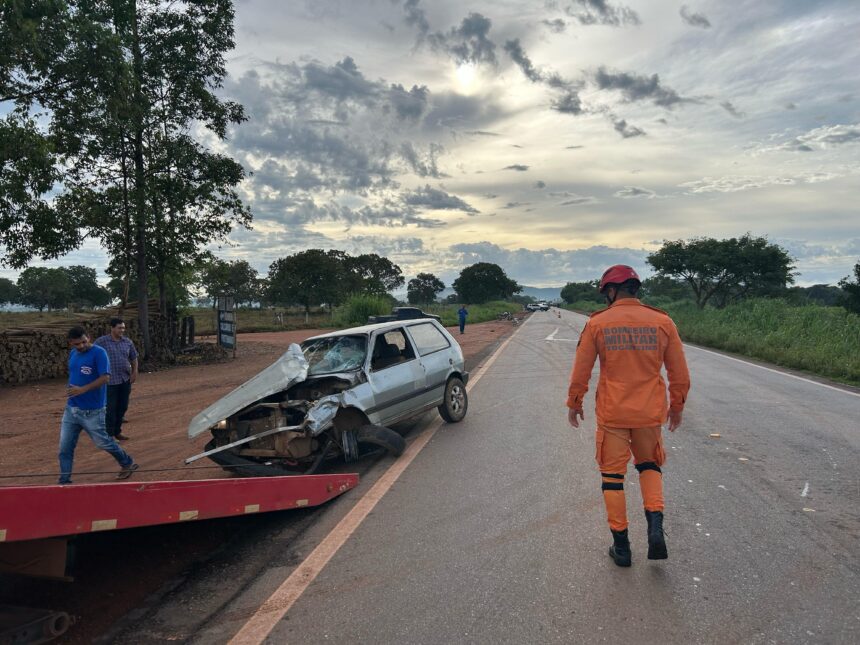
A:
289	369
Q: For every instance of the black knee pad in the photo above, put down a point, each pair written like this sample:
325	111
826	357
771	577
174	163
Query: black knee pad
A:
648	465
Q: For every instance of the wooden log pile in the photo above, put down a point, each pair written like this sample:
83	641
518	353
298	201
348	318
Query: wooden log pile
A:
42	351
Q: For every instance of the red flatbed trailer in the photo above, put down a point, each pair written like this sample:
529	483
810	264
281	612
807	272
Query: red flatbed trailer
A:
36	522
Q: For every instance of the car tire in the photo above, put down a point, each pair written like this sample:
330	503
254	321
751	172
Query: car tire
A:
381	437
456	402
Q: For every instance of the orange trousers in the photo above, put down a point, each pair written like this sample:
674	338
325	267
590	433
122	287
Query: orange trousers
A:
614	447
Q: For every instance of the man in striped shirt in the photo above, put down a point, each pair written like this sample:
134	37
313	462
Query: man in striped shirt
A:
123	372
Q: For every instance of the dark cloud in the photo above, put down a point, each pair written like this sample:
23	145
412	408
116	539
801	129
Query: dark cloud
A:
483	133
694	19
790	106
436	199
467	43
516	145
568	103
512	205
422	165
600	12
517	166
630	192
626	130
573	147
540	184
409	104
341	81
638	88
515	51
415	17
731	109
556	26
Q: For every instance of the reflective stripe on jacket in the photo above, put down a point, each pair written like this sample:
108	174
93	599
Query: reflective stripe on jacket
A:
633	342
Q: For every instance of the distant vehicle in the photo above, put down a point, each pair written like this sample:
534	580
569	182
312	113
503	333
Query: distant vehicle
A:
335	398
402	313
537	306
532	306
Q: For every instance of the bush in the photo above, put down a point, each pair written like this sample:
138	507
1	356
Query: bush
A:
356	310
819	339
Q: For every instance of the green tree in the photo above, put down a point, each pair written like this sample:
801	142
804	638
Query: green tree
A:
851	289
8	292
581	291
826	295
235	278
422	289
483	282
665	288
123	87
42	287
85	289
724	271
307	278
372	274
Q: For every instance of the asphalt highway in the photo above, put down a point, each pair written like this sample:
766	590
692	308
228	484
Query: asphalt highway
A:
496	533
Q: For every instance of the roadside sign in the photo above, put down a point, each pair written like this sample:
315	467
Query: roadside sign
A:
225	319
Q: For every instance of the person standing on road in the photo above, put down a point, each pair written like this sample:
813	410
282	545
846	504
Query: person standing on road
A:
462	312
123	373
633	342
89	372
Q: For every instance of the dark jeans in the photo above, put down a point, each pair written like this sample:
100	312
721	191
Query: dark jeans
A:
117	405
462	324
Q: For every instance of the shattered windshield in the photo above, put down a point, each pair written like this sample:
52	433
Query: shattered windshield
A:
335	354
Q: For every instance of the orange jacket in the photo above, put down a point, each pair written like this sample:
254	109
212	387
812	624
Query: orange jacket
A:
633	341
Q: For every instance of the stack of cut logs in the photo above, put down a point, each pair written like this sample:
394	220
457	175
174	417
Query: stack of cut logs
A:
41	351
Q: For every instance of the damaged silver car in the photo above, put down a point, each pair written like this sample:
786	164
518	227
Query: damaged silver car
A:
335	398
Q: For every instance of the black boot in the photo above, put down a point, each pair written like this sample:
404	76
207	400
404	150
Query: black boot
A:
656	540
620	549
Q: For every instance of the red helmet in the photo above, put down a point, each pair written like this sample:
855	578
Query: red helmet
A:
617	274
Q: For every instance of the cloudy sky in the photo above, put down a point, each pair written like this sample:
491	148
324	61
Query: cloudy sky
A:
553	138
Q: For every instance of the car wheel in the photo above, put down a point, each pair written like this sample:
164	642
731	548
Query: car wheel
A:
456	401
381	437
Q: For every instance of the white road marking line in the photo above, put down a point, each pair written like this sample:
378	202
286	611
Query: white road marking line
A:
552	335
269	614
805	490
769	369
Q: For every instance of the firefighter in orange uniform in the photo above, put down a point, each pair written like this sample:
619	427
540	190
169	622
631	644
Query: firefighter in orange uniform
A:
633	342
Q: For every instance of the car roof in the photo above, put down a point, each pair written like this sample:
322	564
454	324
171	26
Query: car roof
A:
366	330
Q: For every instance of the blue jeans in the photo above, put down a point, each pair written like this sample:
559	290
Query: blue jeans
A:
93	423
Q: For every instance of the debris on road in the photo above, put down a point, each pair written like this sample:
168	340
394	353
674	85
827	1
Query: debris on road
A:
715	435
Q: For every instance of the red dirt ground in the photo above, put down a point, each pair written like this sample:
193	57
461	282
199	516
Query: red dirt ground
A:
162	405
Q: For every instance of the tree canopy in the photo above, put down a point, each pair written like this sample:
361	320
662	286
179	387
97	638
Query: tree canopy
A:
581	291
237	278
42	287
8	292
724	271
483	282
422	289
106	102
851	288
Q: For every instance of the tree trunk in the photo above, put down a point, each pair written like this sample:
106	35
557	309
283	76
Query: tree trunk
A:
140	194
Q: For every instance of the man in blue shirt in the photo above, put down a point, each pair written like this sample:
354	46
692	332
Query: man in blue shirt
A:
461	314
89	372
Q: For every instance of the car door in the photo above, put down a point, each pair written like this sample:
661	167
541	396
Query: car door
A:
434	352
395	375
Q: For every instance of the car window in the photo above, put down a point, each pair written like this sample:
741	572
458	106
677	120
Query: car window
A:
391	348
335	354
428	338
